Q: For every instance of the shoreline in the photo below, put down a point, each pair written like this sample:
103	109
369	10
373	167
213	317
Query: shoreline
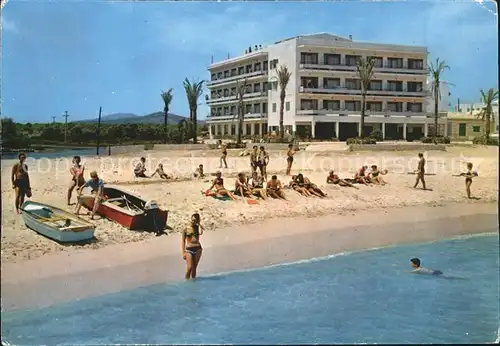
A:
64	277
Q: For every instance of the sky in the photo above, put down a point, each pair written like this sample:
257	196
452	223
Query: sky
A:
78	55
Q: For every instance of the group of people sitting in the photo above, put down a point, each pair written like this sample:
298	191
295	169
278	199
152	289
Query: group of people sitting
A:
140	170
367	176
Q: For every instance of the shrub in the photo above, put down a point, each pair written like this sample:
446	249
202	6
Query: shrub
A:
351	141
481	140
377	135
438	140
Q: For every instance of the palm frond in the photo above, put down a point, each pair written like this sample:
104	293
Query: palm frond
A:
283	75
167	96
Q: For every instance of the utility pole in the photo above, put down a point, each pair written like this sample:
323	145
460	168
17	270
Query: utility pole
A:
53	119
65	115
98	130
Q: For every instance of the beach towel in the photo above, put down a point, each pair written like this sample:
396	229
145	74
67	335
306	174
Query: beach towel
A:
214	195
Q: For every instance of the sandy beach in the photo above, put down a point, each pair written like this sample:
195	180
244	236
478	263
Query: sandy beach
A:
182	196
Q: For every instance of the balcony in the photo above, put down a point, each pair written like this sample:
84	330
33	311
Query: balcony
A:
343	90
385	68
217	117
345	111
234	98
231	79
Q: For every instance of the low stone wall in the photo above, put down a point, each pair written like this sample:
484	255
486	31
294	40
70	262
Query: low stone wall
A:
396	147
181	146
272	146
122	149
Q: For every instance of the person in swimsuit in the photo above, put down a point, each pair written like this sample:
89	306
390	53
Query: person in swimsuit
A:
21	181
256	184
77	176
97	186
333	178
289	158
218	185
191	247
468	178
241	187
376	176
161	173
140	169
417	269
275	189
360	177
223	156
311	187
254	162
199	173
420	171
263	161
294	184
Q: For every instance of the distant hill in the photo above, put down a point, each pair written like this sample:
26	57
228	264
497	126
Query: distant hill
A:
130	118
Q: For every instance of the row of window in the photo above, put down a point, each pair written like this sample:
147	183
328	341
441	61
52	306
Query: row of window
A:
375	106
355	84
251	88
220	130
351	60
233	110
241	70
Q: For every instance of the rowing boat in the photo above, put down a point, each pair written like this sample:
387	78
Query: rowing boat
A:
55	223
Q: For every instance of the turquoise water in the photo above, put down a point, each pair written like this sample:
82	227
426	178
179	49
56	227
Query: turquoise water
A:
364	297
56	154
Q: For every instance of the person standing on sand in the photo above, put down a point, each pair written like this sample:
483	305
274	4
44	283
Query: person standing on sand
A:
420	171
289	158
223	156
468	178
254	161
77	176
21	181
97	186
191	249
263	161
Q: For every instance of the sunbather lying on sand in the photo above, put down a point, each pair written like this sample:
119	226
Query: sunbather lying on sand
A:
257	186
360	177
333	178
376	176
161	173
275	189
310	186
294	184
218	185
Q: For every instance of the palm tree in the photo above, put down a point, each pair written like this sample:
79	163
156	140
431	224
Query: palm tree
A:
194	90
364	68
436	71
283	79
167	99
241	88
487	111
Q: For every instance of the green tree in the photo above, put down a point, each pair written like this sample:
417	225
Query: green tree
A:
436	71
364	69
167	99
283	79
486	113
193	90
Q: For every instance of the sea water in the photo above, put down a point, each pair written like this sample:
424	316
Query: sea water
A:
363	297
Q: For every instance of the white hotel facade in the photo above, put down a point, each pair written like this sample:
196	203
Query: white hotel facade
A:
323	97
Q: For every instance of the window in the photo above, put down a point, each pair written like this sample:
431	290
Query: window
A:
353	105
265	65
287	106
331	105
219	75
233	72
274	107
374	106
256	129
241	70
248	69
375	85
264	108
233	129
265	86
274	63
309	58
233	91
395	62
226	74
256	88
414	107
226	92
415	64
476	128
309	82
414	87
395	106
213	77
377	61
351	60
256	108
257	66
225	129
353	84
274	85
248	129
226	110
233	110
462	129
331	83
394	86
308	104
248	109
332	59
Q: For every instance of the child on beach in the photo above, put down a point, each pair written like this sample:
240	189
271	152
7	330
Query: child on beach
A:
420	171
161	173
21	181
77	176
468	178
198	173
417	269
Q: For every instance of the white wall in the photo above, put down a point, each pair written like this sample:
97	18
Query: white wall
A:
286	53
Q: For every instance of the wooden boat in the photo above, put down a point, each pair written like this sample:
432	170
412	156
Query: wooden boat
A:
55	223
128	210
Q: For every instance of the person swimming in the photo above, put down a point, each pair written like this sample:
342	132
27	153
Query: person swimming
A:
415	263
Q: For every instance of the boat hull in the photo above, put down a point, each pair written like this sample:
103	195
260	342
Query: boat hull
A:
84	232
148	220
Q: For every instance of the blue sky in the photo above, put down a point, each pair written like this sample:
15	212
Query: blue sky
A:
77	56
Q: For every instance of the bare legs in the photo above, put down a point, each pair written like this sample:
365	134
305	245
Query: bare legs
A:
223	160
288	167
19	199
468	183
192	264
70	190
420	177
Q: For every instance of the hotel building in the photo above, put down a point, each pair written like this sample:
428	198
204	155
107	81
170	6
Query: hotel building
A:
323	97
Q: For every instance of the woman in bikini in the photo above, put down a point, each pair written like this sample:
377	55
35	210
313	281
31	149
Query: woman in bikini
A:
77	176
21	181
289	158
294	184
241	187
256	184
333	178
468	178
218	185
311	187
191	247
376	176
223	156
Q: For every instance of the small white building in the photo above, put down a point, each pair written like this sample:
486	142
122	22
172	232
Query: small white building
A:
475	107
